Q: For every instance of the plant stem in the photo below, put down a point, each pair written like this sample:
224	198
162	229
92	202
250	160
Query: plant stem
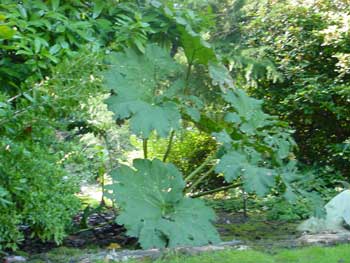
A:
188	73
172	134
198	169
200	179
18	95
245	205
220	189
145	148
110	168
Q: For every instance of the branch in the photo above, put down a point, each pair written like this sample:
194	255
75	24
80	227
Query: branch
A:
18	95
220	189
107	143
188	73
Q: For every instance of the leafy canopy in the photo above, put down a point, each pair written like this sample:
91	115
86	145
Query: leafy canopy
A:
156	93
254	146
152	90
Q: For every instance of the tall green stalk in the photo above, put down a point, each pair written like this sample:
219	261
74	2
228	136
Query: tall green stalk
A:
145	148
170	144
200	179
199	168
110	166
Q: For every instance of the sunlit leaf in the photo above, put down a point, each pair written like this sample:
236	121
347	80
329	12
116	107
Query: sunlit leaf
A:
155	210
138	82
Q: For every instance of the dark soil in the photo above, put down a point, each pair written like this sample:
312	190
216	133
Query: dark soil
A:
101	232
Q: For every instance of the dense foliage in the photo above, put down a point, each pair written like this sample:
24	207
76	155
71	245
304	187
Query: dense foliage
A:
37	99
158	93
152	64
300	67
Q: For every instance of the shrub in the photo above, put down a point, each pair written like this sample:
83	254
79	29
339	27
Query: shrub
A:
39	193
309	46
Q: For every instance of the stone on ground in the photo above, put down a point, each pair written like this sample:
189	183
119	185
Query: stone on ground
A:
337	217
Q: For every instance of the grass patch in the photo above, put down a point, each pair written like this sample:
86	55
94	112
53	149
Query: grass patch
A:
62	255
339	254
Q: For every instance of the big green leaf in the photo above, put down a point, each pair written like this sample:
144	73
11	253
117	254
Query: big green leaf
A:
255	178
280	143
138	83
155	210
248	112
220	75
197	50
231	165
258	179
244	105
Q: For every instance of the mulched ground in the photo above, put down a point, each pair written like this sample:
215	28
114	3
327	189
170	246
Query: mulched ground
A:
102	232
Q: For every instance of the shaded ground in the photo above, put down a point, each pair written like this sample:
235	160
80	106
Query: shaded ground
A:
104	234
96	230
101	232
257	232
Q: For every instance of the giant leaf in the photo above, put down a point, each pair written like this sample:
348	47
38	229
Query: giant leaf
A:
138	82
248	112
197	50
258	179
155	210
231	165
236	164
280	143
244	105
220	75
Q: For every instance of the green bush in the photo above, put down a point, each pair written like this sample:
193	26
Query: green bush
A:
36	188
9	234
39	193
190	149
309	46
284	211
42	33
49	58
